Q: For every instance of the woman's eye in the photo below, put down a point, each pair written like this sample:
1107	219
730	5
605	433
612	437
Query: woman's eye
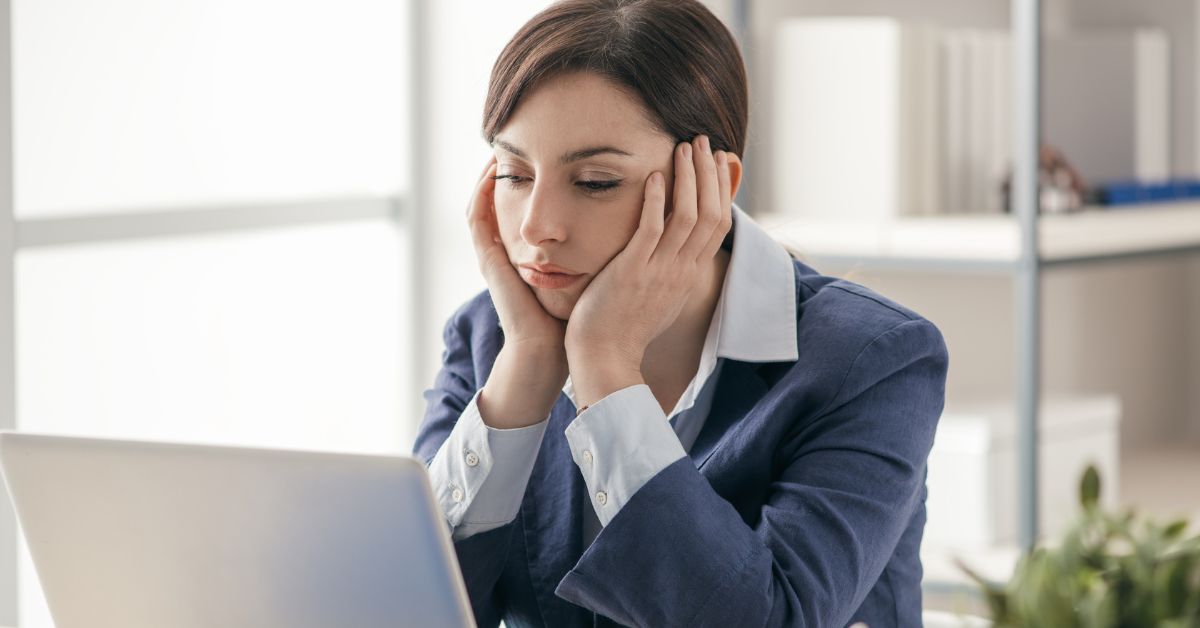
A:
598	186
513	180
589	186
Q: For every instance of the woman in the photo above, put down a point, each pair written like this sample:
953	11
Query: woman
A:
654	416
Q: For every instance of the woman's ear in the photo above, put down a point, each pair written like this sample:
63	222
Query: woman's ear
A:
735	173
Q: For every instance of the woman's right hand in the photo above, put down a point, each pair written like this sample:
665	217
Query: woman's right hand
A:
531	368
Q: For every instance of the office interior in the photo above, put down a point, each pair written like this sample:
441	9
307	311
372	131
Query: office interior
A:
242	222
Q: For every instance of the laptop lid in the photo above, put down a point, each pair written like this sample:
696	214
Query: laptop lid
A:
132	534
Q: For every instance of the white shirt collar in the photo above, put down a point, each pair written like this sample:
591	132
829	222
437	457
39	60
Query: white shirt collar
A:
758	300
755	317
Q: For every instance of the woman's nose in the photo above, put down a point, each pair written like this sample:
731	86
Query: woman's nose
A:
544	221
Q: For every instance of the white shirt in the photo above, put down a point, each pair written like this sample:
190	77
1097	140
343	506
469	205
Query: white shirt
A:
622	441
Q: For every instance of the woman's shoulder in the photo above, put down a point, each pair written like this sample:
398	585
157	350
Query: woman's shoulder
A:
850	337
475	317
843	316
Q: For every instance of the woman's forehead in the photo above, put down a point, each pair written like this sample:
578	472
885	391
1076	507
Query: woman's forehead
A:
576	112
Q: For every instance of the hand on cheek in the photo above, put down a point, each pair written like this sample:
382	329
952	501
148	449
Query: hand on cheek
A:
531	367
641	292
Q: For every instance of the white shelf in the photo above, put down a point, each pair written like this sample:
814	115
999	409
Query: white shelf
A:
993	239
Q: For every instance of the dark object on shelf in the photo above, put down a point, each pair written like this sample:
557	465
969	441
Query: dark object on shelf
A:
1138	192
1061	189
1109	570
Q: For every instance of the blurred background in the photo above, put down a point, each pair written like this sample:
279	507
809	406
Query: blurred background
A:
243	222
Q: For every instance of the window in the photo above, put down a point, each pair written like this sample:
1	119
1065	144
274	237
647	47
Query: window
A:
122	105
206	244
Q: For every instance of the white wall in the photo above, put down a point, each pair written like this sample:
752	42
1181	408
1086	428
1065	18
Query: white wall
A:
1193	342
8	419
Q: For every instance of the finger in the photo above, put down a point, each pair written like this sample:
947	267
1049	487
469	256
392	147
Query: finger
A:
650	228
507	289
708	201
725	186
683	213
487	172
480	218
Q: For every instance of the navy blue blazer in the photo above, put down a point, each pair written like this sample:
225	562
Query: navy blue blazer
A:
801	503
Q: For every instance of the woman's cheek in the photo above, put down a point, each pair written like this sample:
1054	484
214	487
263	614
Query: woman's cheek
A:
508	222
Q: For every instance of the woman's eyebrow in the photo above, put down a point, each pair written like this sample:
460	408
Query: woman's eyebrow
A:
569	157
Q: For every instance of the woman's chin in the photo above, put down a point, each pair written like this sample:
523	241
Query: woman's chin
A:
557	303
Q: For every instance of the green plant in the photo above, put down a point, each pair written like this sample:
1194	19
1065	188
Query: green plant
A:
1108	570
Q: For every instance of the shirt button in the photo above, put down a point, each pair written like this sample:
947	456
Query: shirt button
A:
456	494
601	498
587	456
472	459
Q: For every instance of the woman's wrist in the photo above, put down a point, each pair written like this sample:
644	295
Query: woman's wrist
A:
599	376
522	388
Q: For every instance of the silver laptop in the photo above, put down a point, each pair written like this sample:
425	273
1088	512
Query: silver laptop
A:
128	534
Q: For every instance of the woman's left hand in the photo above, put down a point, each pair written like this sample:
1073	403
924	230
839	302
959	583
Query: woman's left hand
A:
642	290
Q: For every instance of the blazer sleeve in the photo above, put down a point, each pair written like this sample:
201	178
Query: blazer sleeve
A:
481	556
852	475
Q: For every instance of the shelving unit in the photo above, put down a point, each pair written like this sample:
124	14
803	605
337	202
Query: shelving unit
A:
992	243
1026	23
1020	247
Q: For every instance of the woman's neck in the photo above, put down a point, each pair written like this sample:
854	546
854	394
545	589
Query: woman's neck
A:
672	358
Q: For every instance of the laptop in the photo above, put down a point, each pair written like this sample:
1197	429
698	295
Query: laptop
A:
132	534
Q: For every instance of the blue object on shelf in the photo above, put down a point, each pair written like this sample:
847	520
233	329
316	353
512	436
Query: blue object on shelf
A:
1138	192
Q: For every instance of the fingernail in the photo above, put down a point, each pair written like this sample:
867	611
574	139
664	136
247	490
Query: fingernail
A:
687	150
720	157
705	144
656	178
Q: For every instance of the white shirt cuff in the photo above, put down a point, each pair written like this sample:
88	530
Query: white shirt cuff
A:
480	473
620	443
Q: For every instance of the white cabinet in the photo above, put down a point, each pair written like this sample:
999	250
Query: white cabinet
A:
973	468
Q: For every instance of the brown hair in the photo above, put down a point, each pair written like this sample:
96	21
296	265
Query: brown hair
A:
675	54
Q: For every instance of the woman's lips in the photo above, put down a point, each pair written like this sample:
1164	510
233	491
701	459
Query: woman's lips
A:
553	281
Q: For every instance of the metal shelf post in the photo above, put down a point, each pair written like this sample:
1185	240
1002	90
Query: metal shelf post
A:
1027	52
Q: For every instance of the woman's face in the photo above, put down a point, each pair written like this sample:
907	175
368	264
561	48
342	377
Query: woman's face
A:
574	158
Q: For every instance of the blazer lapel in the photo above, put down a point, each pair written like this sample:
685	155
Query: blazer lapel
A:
739	387
553	519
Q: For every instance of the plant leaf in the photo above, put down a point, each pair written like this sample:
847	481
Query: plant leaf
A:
1176	529
1089	487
